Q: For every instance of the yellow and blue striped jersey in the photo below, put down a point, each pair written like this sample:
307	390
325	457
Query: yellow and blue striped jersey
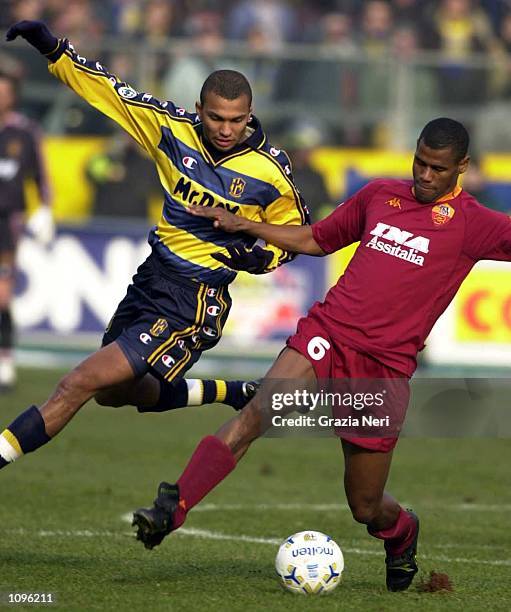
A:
253	180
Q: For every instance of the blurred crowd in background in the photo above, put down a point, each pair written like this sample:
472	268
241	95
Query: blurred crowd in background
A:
353	73
454	26
341	56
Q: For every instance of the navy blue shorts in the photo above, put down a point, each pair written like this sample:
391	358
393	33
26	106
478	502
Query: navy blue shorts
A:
165	321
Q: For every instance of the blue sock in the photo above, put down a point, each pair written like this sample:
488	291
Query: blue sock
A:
24	435
196	392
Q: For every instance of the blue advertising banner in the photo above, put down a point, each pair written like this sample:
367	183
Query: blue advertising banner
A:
72	288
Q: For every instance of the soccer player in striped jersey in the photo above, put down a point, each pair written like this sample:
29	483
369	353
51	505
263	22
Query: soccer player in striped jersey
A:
179	301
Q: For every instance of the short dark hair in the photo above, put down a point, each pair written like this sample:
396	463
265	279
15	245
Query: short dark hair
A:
228	84
444	132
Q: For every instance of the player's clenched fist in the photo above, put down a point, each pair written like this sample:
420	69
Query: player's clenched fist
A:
36	33
222	219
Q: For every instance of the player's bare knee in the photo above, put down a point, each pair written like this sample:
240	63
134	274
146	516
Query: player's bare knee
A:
105	398
75	386
364	511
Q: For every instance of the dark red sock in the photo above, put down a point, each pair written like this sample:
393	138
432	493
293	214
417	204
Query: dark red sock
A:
398	537
210	463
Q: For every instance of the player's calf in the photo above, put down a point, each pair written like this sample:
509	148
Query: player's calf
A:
211	462
197	392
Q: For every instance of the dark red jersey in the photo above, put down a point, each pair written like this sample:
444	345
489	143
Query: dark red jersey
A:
410	263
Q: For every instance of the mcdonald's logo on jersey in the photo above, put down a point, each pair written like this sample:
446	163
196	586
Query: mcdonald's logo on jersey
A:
237	187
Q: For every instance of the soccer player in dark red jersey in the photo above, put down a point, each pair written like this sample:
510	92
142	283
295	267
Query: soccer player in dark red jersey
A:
418	240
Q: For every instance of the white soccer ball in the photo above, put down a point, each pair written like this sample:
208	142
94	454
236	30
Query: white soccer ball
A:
309	562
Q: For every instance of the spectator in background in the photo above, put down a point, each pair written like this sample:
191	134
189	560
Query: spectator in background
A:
260	67
78	20
376	26
27	9
20	159
276	17
326	82
417	90
124	179
458	29
188	70
375	39
475	182
502	81
159	22
300	141
16	11
408	12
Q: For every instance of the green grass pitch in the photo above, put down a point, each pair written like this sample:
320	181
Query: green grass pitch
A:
63	510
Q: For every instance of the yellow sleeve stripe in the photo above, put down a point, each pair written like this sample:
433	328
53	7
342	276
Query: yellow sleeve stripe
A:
298	202
152	107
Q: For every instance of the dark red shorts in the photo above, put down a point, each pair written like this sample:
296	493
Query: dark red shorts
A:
332	360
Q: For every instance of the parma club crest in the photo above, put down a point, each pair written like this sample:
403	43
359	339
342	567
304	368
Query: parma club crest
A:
237	187
442	214
158	328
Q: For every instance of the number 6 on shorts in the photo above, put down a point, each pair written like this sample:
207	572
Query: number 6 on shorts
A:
317	347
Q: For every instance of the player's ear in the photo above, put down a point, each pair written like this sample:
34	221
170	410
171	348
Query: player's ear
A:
463	164
198	109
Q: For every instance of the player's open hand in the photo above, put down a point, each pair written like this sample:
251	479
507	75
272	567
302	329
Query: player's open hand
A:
222	219
36	33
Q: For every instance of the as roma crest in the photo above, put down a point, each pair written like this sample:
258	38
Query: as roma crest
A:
442	214
237	187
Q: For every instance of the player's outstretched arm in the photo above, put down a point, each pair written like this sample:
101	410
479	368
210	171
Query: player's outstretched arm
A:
294	238
138	113
37	34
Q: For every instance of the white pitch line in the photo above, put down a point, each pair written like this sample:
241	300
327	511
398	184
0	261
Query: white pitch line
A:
205	534
464	507
215	535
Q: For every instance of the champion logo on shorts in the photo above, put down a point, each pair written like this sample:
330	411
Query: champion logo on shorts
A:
195	338
209	331
145	338
211	292
168	361
213	310
181	344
